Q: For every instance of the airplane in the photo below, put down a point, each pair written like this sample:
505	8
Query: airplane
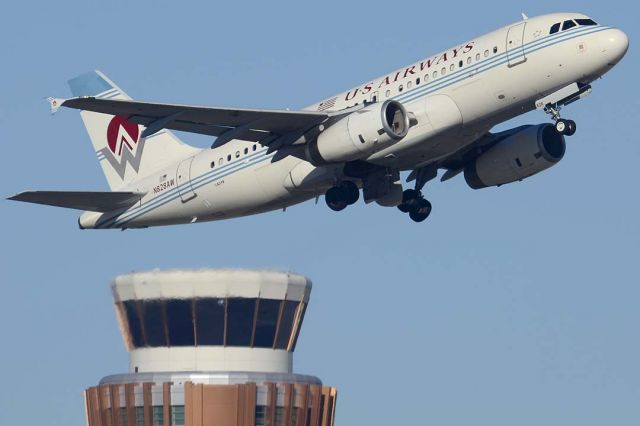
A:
435	114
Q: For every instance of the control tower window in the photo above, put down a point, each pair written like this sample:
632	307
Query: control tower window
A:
567	25
240	313
266	323
180	323
153	320
286	324
135	327
210	322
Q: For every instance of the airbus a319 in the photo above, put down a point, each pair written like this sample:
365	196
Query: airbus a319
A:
435	114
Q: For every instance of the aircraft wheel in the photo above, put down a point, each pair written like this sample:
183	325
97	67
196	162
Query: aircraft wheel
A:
421	211
562	126
350	192
571	128
334	199
409	199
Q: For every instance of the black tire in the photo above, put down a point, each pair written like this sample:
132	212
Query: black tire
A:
571	128
410	194
334	199
421	211
410	199
337	206
350	192
562	126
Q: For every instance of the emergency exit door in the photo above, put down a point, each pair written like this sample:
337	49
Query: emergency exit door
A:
183	180
515	44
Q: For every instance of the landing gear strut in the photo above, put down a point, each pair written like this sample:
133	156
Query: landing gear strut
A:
342	195
563	127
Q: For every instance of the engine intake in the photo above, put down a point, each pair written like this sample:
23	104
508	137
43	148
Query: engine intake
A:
518	156
360	133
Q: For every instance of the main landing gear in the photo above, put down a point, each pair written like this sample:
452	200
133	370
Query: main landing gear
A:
414	203
342	195
563	127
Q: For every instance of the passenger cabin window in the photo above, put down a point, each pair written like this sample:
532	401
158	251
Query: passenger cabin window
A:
461	63
237	154
408	85
567	25
426	78
443	71
495	49
417	81
246	151
254	147
486	53
229	157
220	161
555	28
213	164
477	56
435	74
400	88
387	93
469	59
452	67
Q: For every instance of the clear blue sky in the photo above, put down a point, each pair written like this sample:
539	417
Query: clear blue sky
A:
516	305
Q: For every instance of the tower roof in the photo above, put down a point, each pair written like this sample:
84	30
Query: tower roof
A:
203	283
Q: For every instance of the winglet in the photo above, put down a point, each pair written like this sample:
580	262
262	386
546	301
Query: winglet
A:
55	103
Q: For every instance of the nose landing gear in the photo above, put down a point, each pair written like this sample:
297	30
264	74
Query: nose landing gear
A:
563	127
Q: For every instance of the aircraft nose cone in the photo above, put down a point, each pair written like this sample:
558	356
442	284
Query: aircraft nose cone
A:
616	44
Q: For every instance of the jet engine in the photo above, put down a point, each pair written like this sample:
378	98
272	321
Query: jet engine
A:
516	157
360	133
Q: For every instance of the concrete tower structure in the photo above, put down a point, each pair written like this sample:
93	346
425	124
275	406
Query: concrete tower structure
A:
210	347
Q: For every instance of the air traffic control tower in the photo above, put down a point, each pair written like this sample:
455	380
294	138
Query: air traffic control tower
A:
210	347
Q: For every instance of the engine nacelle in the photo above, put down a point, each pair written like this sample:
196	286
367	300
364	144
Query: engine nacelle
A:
360	133
518	156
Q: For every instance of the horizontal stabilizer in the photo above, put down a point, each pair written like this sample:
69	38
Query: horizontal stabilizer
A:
81	200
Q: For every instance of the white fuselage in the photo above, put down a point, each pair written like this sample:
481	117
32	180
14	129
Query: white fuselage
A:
456	97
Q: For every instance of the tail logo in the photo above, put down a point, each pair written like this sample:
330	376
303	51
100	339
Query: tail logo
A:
124	145
121	133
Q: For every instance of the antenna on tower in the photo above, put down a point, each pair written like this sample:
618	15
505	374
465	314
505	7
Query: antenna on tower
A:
524	16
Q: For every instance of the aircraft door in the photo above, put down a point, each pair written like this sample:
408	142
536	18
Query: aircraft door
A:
183	180
515	44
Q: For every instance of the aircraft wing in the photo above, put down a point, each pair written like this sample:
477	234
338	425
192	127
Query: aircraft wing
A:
225	123
92	201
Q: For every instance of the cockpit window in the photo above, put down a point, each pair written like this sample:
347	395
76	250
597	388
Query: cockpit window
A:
567	25
555	28
586	21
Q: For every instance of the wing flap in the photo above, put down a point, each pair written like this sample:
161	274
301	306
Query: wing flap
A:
81	200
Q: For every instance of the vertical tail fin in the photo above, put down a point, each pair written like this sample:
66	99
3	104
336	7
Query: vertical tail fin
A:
122	152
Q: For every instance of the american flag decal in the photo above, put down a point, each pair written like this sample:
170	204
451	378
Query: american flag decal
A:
324	105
